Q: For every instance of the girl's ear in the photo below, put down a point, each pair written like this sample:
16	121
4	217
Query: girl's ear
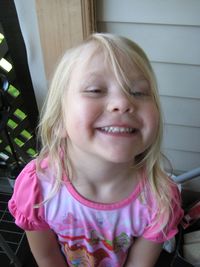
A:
62	132
63	128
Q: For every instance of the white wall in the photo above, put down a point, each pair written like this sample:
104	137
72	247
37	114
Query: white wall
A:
27	16
169	32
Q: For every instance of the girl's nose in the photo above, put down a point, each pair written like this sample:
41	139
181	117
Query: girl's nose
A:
121	104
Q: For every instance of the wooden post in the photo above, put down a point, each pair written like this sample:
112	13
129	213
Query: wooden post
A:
62	24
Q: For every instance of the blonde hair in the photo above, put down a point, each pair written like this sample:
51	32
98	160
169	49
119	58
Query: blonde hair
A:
51	128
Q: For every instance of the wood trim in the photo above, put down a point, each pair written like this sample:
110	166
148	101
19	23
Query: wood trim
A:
88	9
63	24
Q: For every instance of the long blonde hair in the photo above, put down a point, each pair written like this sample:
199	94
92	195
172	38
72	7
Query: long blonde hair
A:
51	127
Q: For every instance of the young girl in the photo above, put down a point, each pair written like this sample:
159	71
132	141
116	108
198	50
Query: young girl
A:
97	194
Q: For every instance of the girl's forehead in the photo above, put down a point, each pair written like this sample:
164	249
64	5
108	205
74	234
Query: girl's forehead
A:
90	54
95	60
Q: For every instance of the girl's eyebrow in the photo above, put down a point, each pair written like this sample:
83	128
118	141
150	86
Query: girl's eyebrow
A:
91	76
141	83
141	79
89	79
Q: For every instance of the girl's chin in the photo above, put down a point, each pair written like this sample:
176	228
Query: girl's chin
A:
119	159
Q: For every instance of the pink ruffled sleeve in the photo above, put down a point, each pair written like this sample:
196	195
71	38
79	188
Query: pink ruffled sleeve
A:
151	233
26	194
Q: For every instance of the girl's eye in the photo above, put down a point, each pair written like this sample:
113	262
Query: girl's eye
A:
94	92
140	89
139	94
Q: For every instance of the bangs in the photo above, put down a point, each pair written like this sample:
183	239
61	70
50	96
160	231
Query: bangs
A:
122	54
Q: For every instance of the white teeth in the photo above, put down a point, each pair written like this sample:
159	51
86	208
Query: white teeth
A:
113	129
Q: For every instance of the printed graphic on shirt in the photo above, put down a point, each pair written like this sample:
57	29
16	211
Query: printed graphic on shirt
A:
90	248
78	255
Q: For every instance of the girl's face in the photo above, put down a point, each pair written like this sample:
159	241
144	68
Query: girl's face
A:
102	123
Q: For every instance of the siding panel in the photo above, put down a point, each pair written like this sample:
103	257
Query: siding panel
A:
189	140
181	111
181	12
178	80
182	160
161	43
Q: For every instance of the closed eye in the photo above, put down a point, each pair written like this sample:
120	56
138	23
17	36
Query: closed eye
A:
94	92
140	89
139	94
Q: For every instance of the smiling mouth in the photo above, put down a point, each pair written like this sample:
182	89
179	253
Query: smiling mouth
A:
118	130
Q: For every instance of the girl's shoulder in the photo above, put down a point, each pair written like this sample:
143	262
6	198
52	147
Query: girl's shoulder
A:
27	180
30	176
165	218
26	195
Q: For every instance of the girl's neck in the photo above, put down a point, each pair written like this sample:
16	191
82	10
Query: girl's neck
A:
102	181
98	171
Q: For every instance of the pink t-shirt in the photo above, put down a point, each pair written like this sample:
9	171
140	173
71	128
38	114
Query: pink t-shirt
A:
90	233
